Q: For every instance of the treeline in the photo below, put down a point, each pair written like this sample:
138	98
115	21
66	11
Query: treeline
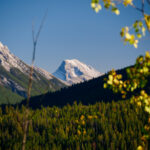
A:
103	126
88	92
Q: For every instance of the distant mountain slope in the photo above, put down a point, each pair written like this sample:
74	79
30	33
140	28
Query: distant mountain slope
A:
14	77
88	92
7	96
73	71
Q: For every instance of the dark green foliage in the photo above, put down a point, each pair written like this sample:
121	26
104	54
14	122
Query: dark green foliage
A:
6	94
104	126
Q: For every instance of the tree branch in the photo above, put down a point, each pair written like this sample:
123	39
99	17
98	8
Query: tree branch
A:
41	26
148	1
143	7
35	39
138	9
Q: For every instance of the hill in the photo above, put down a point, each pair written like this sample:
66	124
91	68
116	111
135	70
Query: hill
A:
88	92
14	77
102	126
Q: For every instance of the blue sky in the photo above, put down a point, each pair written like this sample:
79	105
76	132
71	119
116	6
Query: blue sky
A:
71	30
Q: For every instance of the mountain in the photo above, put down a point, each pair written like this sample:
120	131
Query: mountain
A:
14	78
88	92
73	71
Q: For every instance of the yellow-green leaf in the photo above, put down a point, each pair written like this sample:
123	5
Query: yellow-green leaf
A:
139	35
147	21
127	2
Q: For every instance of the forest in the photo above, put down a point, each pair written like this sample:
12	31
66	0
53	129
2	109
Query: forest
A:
88	92
111	112
105	124
113	125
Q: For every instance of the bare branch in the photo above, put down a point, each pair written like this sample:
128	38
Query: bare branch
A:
148	1
138	9
41	26
33	32
35	39
143	7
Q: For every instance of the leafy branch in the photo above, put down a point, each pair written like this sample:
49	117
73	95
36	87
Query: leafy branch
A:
138	25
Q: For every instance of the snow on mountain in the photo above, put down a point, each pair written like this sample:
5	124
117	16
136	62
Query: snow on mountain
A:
73	71
14	75
8	60
44	73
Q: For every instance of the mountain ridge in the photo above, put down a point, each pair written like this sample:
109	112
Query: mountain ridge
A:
73	71
88	92
14	76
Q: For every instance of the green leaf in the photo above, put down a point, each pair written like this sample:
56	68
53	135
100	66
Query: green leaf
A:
136	30
139	35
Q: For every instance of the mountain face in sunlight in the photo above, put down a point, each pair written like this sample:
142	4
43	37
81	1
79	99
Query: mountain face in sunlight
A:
14	78
73	71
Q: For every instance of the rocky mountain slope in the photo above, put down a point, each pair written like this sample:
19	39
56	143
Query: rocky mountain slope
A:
73	71
14	78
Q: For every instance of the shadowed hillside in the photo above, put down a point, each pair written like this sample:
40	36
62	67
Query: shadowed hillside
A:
87	92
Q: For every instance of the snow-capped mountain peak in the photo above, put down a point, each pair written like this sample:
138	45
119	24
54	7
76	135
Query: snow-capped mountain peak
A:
14	76
8	60
73	71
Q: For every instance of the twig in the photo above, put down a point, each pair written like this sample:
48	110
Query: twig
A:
35	39
25	127
148	1
143	7
138	9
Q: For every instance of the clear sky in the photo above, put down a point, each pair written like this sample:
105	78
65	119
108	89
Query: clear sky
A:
71	30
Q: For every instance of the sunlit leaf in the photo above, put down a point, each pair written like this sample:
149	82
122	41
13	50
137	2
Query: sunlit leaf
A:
127	2
147	21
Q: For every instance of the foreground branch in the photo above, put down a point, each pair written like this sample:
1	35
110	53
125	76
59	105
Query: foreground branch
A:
35	39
